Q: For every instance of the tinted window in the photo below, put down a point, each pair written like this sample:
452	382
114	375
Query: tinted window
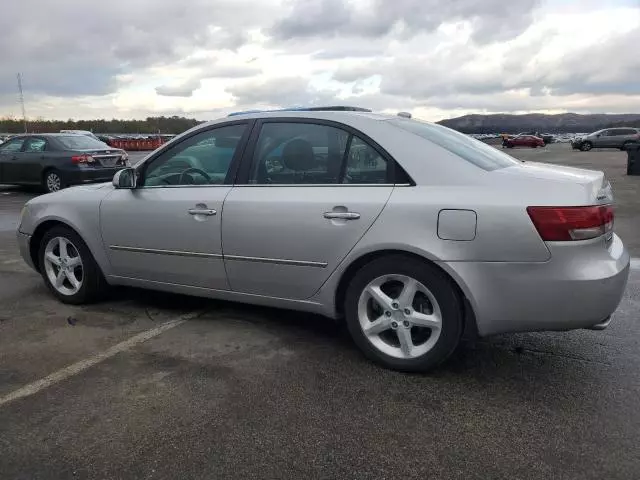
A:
298	153
14	145
467	148
365	164
81	142
35	145
203	159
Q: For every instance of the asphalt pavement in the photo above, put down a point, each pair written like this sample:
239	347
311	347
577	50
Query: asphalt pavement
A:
150	385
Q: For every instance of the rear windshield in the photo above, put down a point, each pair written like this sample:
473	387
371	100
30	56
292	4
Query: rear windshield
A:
81	142
472	150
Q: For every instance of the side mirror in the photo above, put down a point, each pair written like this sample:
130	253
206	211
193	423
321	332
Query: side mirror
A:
125	179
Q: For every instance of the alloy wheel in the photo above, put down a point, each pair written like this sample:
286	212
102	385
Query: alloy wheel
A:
54	183
63	266
399	316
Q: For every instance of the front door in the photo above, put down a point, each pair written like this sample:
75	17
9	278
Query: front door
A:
311	193
28	165
168	229
9	157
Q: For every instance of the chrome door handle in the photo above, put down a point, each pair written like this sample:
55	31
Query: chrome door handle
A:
202	211
342	215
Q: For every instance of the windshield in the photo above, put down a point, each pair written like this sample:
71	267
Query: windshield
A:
472	150
81	142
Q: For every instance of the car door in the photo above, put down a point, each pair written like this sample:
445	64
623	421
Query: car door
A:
307	192
28	165
168	228
9	155
604	139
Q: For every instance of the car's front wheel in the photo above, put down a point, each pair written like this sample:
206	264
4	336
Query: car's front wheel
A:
404	314
586	146
52	181
69	269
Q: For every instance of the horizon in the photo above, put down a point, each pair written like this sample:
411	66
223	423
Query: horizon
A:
217	56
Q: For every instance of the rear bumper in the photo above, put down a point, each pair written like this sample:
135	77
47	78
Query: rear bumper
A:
580	287
88	174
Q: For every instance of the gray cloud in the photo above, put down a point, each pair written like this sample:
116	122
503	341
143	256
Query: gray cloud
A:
182	90
491	19
286	91
78	47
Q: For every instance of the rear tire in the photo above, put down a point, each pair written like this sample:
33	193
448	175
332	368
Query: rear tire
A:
398	329
52	181
586	146
69	269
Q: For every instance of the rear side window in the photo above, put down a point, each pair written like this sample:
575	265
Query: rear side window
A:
35	145
298	153
81	142
473	151
365	165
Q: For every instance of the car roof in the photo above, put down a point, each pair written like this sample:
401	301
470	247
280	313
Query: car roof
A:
56	134
338	116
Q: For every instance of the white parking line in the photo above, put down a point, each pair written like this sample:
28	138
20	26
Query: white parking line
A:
82	365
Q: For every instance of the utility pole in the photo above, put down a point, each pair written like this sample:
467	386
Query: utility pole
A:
24	115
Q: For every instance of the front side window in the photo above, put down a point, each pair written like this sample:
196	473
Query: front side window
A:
298	153
35	145
203	159
12	146
473	151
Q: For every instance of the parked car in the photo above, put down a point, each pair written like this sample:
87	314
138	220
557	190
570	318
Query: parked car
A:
411	232
58	160
607	138
523	140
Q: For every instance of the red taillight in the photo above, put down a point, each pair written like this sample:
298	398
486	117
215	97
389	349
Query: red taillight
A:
557	224
82	159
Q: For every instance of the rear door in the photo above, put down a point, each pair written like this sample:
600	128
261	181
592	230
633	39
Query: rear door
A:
307	192
10	153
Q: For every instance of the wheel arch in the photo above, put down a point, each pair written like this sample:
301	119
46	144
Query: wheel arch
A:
39	233
470	328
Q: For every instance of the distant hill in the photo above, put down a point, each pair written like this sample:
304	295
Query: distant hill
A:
561	123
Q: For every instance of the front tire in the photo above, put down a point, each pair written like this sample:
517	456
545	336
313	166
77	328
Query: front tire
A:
586	146
69	269
404	314
52	181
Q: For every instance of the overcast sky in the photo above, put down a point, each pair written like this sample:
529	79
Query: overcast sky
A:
205	58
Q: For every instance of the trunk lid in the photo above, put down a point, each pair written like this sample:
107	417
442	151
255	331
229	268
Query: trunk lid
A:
108	157
593	181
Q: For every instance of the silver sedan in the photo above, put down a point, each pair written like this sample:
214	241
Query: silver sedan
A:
413	233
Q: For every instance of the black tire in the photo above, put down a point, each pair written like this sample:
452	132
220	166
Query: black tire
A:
94	286
51	174
509	145
586	146
625	145
441	287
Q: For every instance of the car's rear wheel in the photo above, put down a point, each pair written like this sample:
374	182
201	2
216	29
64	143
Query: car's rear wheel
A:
404	314
586	146
68	268
52	181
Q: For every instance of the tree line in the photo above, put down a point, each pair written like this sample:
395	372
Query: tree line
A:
166	125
